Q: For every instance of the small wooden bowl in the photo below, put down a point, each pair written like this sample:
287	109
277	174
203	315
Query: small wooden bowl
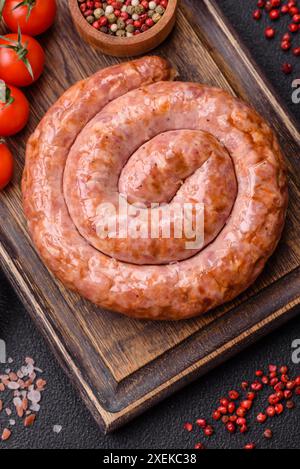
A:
125	46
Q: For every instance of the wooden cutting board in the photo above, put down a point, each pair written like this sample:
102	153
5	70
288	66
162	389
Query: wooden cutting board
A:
120	366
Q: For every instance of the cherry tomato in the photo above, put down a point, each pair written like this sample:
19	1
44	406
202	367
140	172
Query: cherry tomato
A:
32	16
24	63
14	111
6	165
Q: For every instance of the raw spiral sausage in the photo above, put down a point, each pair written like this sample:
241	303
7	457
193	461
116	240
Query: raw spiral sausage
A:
131	130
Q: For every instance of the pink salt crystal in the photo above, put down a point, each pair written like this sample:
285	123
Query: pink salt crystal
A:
57	428
29	361
34	396
13	385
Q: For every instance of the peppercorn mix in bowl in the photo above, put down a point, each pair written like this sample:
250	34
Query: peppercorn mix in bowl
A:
124	27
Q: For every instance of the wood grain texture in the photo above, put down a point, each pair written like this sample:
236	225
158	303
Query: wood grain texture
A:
123	366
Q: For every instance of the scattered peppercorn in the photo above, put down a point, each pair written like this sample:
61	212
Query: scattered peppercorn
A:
268	434
249	446
201	423
208	431
261	418
287	68
188	427
235	415
199	446
275	9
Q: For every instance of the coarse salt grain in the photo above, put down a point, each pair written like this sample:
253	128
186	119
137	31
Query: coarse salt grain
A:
17	402
13	385
34	396
22	391
57	428
35	407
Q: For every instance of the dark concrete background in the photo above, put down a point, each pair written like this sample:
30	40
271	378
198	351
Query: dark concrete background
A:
162	426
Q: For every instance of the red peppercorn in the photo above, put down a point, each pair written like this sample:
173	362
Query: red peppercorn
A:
268	434
288	394
143	18
249	446
284	369
261	3
225	419
279	409
259	373
199	446
285	45
246	404
284	379
296	51
265	380
268	6
244	385
284	9
273	399
223	410
272	368
256	386
297	381
297	391
274	381
270	411
280	395
287	68
256	15
251	396
275	3
243	428
208	431
290	385
103	21
233	395
231	407
217	415
224	401
188	426
293	27
291	3
290	405
164	3
201	423
230	427
261	418
241	412
149	22
274	14
241	421
293	11
270	33
279	387
233	418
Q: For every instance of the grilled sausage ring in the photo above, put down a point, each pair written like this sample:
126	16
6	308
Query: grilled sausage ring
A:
131	131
